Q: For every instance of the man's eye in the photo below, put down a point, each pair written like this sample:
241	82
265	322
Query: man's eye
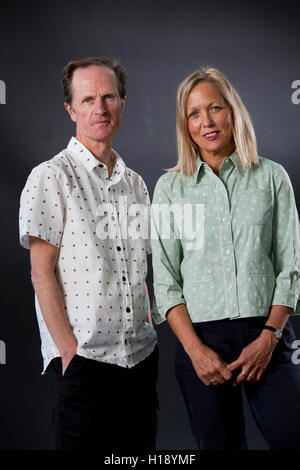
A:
87	100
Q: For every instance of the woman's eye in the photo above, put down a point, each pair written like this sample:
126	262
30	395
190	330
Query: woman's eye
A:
193	114
216	108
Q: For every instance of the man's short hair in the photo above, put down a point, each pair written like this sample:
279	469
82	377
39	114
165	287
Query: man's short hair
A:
113	64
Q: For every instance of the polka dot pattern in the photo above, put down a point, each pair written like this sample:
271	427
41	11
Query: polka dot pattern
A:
65	202
250	255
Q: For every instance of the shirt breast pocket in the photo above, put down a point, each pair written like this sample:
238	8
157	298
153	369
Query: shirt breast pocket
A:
254	206
199	291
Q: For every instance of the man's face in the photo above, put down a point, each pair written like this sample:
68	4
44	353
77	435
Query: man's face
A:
96	104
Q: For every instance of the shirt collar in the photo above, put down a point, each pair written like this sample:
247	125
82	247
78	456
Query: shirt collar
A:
86	158
234	157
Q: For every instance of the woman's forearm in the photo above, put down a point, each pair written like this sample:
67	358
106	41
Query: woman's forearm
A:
278	316
180	322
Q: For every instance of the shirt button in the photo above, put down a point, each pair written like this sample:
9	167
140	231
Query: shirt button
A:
118	248
100	166
227	252
125	341
223	219
127	309
124	278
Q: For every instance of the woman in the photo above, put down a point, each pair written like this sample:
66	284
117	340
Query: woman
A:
226	271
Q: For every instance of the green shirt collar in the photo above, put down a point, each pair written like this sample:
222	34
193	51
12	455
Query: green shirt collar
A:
234	157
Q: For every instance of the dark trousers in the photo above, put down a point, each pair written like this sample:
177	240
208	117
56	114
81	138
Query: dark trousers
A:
216	412
101	406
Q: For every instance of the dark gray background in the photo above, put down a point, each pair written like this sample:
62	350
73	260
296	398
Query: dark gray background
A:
256	46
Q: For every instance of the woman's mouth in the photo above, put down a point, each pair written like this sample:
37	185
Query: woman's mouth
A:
211	135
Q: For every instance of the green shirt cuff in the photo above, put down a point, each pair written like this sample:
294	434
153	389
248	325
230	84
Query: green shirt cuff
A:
159	314
285	297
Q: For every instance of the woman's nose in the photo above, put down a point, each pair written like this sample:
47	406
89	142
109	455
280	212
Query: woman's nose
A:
207	120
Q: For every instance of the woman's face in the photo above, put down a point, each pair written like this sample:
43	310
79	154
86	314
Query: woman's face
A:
209	120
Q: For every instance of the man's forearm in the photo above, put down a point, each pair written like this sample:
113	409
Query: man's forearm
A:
53	311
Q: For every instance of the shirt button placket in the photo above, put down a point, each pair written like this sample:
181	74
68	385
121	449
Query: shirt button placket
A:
121	259
226	242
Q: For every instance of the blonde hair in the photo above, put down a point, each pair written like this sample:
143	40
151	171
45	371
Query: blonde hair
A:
243	132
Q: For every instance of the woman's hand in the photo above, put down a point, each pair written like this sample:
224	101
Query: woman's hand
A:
209	366
254	358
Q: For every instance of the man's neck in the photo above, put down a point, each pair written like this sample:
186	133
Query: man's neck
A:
102	151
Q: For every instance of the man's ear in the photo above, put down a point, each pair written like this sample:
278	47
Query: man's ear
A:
123	103
70	111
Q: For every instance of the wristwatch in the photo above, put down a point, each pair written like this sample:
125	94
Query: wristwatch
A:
277	331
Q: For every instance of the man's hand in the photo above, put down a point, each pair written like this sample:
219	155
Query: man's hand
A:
254	358
209	366
66	359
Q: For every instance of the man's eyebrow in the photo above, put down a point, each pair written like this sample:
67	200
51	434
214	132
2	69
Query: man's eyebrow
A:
88	95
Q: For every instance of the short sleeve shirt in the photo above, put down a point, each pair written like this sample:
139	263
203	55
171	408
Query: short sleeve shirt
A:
101	227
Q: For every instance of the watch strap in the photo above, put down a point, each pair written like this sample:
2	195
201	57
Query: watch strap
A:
277	331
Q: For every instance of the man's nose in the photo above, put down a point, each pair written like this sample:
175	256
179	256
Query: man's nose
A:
100	107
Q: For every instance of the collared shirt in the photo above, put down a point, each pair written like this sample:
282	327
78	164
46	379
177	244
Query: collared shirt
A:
233	245
70	202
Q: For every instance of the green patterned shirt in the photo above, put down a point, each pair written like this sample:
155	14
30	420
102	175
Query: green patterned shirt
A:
227	246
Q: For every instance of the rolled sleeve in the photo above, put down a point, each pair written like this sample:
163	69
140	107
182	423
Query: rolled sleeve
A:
286	243
41	209
166	254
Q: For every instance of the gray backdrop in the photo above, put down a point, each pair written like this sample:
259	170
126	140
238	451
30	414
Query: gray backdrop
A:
257	46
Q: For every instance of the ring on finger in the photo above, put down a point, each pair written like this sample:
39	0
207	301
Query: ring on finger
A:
213	381
251	376
244	373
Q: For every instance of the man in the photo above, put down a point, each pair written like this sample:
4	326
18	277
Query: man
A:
89	272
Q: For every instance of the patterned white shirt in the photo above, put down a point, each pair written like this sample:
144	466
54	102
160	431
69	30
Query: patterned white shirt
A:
100	226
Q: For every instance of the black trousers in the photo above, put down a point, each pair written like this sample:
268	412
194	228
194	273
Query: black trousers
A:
105	407
216	412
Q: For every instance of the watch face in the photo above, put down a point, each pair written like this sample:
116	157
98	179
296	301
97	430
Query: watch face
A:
278	333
